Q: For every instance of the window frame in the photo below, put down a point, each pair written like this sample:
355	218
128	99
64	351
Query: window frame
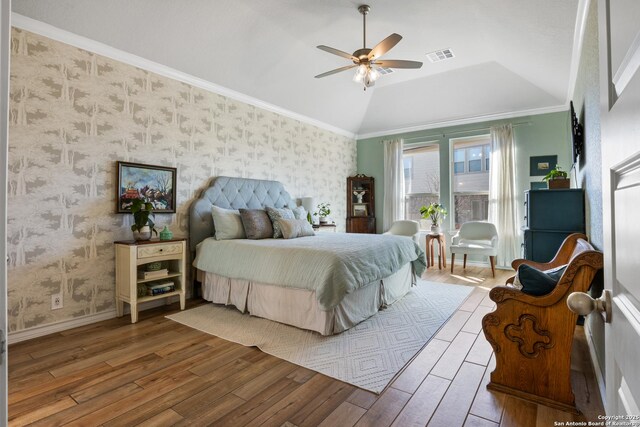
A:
451	218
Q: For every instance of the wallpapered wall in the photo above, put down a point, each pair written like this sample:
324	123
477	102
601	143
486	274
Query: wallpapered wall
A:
74	113
586	100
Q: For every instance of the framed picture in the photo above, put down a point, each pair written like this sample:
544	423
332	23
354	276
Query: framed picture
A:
541	165
154	184
535	185
360	209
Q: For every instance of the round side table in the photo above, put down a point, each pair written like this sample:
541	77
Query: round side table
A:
442	251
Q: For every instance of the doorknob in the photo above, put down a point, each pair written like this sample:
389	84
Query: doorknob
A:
582	304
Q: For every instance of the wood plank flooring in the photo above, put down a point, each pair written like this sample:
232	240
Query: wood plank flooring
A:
160	373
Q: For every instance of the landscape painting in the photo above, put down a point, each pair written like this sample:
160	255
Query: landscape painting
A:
153	184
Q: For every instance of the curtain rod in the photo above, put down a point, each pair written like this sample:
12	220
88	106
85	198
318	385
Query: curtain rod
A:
426	138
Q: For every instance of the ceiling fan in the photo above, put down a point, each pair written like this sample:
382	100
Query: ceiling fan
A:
366	60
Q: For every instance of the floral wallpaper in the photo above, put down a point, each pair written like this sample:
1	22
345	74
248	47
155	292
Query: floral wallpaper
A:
73	114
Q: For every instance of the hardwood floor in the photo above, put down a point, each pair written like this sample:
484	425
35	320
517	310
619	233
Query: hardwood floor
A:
160	373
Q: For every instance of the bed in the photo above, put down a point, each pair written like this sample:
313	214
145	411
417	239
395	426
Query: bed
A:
325	283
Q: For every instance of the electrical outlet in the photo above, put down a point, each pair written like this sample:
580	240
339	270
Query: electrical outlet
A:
56	301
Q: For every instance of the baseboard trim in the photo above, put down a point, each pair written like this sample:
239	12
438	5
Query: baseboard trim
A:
63	325
596	365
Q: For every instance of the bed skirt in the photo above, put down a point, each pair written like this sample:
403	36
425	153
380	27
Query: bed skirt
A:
299	307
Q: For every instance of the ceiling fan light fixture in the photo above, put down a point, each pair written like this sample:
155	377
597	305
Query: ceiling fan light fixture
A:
373	74
361	71
364	59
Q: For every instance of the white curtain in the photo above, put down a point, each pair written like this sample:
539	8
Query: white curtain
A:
502	193
393	207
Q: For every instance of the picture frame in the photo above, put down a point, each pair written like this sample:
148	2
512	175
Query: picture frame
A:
154	184
542	165
360	209
538	185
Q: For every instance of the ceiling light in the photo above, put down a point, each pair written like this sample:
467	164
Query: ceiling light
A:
367	75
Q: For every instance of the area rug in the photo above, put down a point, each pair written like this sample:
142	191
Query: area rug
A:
368	355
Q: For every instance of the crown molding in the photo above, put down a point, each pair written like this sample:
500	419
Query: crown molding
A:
578	41
63	36
466	121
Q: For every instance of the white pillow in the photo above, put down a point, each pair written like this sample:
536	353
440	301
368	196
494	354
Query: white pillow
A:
299	212
292	228
227	223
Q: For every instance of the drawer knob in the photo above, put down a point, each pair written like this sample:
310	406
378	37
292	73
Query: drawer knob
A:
161	250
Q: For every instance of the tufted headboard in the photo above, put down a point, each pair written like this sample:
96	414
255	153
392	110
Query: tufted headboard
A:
232	193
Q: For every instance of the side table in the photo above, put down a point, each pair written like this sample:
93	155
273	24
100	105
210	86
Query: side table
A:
132	258
324	228
442	251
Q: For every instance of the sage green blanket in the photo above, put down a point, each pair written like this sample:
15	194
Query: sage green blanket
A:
331	264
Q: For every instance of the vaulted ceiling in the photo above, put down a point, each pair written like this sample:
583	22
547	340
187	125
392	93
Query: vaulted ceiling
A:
510	55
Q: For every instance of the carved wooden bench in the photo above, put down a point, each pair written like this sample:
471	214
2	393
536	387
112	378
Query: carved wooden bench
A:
532	335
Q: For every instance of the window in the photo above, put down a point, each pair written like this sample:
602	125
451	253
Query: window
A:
458	161
471	161
421	178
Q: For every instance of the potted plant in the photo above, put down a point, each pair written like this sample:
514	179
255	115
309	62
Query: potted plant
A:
435	212
142	226
557	178
324	211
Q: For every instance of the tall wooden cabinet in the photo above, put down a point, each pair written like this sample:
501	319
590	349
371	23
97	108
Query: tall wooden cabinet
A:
550	216
361	215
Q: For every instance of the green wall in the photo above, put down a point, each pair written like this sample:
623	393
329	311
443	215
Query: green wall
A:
543	134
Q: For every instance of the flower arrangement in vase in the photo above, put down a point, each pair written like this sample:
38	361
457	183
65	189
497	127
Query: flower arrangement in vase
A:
142	226
324	210
435	212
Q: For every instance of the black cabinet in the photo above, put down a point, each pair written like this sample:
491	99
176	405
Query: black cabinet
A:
550	216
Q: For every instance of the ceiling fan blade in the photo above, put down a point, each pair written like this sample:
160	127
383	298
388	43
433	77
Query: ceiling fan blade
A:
397	63
337	52
384	46
337	70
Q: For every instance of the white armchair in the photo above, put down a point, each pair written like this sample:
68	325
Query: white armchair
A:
406	228
476	238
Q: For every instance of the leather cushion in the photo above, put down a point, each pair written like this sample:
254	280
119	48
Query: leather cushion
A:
257	224
536	282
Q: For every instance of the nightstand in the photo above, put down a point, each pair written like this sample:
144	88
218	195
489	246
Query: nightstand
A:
324	228
133	259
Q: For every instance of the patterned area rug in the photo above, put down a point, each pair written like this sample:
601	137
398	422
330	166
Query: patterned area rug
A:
368	355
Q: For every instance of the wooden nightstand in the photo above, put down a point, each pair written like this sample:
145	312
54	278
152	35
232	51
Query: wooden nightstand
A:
132	258
324	228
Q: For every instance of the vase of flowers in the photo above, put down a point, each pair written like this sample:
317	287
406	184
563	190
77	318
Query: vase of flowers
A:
324	210
143	225
435	212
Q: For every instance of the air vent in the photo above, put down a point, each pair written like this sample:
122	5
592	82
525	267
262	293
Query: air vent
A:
440	55
384	71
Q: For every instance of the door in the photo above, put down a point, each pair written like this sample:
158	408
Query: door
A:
619	32
5	33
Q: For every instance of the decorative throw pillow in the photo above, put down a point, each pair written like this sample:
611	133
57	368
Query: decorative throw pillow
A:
292	228
535	282
227	223
275	214
299	212
257	224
